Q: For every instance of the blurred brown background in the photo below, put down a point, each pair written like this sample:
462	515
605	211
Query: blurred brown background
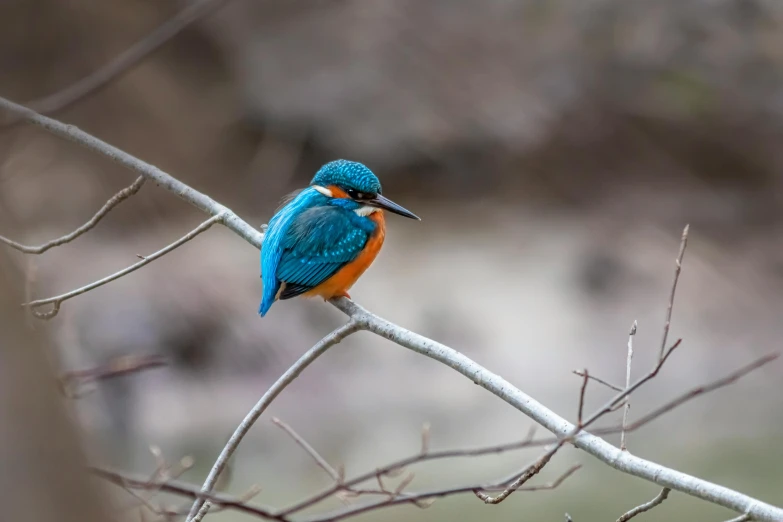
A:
554	149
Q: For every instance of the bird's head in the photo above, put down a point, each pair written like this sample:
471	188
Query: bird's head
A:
357	185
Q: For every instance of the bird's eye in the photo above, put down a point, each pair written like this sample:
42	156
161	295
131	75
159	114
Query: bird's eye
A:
359	195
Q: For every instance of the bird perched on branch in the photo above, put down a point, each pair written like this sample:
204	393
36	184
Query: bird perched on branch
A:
324	238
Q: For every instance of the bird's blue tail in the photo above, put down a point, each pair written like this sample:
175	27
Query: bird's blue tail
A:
268	299
264	307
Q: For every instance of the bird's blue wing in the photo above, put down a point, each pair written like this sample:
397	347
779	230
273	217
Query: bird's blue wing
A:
319	242
275	239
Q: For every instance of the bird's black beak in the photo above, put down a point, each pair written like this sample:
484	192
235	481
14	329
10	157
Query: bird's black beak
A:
387	204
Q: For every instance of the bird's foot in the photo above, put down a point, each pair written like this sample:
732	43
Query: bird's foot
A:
343	293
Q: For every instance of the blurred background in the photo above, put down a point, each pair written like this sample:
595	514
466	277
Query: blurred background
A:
555	149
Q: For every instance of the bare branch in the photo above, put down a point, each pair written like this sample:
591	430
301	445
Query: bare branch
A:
669	406
555	483
128	59
600	449
201	508
701	390
647	506
520	478
309	449
420	499
529	472
627	384
115	200
115	368
394	468
609	385
56	301
178	488
201	201
620	397
533	469
670	306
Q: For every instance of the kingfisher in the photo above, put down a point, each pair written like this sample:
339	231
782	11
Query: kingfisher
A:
323	238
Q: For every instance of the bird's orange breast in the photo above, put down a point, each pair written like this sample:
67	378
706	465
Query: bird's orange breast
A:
339	284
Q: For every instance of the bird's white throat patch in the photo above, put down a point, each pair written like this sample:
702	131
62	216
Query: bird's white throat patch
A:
366	210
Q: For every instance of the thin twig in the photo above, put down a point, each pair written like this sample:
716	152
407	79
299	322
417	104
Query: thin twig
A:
670	306
529	472
741	518
627	384
421	499
244	498
162	473
393	468
425	438
115	368
193	12
647	506
520	478
381	486
200	508
599	381
555	483
178	488
115	200
319	460
141	500
620	397
693	393
582	391
534	468
403	484
57	300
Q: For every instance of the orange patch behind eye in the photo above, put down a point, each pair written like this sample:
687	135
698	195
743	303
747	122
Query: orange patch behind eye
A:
337	192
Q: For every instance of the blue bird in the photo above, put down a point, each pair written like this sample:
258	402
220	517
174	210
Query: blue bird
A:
323	239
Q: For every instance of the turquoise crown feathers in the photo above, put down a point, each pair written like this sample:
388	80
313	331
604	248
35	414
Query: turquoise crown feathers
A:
347	174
